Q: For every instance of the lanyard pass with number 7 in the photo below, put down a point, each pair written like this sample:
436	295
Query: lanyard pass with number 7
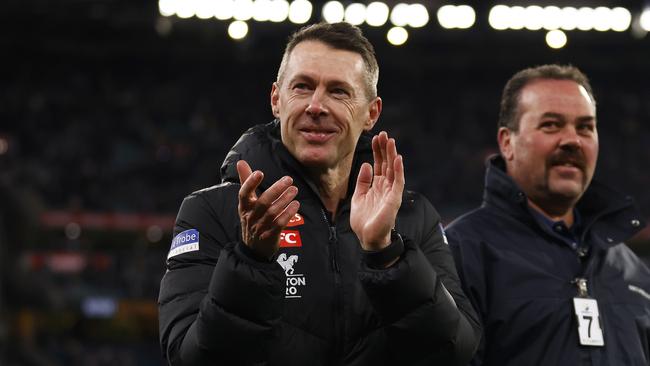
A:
586	310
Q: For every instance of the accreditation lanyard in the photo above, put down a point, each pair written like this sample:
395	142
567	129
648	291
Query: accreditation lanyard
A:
586	310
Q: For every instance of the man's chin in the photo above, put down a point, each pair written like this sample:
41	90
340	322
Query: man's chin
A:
568	190
313	160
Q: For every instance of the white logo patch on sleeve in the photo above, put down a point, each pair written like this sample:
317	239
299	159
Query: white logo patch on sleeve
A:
186	241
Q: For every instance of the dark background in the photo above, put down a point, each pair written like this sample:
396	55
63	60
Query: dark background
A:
110	114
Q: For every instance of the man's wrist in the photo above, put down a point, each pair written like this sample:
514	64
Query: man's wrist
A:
383	258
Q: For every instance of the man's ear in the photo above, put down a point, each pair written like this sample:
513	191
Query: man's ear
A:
275	100
504	137
373	113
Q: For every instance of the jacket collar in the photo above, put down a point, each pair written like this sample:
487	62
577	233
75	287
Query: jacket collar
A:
614	215
261	146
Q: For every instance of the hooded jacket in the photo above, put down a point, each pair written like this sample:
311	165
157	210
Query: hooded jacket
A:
319	303
522	279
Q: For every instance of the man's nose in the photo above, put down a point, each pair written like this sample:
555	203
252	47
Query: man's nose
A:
317	105
570	138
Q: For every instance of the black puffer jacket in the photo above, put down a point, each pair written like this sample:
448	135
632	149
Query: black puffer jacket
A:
319	304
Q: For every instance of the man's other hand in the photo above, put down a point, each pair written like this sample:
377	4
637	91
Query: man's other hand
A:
263	218
377	198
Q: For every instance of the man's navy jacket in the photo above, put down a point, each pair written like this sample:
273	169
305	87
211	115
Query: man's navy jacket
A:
520	278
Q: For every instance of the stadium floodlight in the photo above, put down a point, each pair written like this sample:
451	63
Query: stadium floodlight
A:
585	19
466	16
569	18
517	17
238	29
446	16
262	10
400	15
224	9
243	10
533	17
621	19
355	13
552	18
204	9
279	11
418	15
185	9
333	12
397	36
556	39
167	8
499	17
601	18
377	14
450	16
300	11
644	20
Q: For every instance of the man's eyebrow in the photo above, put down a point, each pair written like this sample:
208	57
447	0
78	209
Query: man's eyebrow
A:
553	115
342	83
586	119
561	117
303	77
331	83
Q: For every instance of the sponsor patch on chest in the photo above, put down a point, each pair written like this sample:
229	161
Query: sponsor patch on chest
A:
290	239
295	281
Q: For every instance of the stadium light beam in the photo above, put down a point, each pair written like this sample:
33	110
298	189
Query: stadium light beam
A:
552	18
517	17
167	8
556	39
601	19
300	11
224	9
399	17
461	17
262	10
204	9
499	17
280	11
243	10
185	9
418	15
621	19
355	13
397	36
333	12
238	30
467	16
569	18
377	14
534	17
585	19
644	20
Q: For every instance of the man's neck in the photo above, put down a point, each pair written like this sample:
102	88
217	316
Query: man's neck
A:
555	213
332	184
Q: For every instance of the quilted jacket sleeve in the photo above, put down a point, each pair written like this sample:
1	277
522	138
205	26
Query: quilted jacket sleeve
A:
217	298
429	319
467	256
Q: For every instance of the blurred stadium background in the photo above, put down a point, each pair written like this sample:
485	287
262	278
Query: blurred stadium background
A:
111	111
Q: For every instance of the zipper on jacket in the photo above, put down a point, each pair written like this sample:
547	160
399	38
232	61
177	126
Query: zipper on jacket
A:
337	306
332	242
334	249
